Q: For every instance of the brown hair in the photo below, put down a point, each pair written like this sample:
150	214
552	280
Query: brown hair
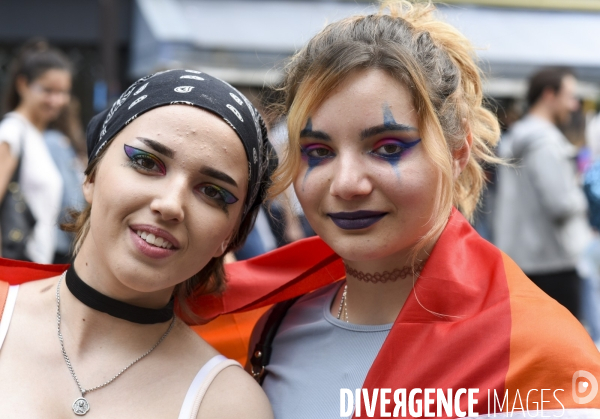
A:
546	78
211	279
433	60
35	57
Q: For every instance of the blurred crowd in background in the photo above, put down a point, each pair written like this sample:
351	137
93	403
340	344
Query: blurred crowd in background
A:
62	61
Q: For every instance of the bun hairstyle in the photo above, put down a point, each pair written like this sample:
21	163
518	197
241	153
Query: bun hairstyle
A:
433	60
34	58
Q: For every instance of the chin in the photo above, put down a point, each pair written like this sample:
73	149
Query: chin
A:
359	249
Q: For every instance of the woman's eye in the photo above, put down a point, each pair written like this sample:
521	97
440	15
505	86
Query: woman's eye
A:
142	160
319	152
218	194
389	149
315	153
145	162
392	148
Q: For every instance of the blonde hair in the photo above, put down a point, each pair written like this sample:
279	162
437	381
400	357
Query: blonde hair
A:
434	61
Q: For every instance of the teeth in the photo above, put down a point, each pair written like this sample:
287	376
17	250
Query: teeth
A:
153	240
150	238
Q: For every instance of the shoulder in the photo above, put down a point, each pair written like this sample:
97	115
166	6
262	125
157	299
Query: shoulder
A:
547	344
234	394
11	129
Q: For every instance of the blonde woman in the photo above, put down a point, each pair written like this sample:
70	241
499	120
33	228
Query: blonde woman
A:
387	137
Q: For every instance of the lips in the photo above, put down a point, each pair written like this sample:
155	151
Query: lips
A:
356	220
155	233
152	241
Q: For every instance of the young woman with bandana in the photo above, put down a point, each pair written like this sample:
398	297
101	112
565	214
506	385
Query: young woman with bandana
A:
387	138
178	168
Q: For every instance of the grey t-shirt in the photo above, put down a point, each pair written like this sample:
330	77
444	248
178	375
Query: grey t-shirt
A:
315	355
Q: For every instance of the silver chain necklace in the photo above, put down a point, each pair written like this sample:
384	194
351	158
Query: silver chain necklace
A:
81	406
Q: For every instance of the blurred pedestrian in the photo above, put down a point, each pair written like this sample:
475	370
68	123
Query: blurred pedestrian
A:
65	141
38	90
589	264
540	218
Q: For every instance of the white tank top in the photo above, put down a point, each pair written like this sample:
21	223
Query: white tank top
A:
197	390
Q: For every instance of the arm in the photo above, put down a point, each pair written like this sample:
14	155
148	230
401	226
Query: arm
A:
234	394
8	164
554	178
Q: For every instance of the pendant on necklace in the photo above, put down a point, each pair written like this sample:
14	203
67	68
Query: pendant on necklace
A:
81	406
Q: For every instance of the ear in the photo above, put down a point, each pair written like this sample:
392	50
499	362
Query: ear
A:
221	250
548	94
21	84
88	189
461	156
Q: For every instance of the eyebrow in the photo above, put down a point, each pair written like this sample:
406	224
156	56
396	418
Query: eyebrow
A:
317	135
217	174
378	129
156	146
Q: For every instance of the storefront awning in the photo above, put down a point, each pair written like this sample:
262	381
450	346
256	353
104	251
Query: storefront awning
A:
244	42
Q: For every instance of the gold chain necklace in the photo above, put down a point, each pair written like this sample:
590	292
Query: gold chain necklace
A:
344	305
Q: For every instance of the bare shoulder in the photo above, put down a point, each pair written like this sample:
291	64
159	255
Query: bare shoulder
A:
234	394
31	294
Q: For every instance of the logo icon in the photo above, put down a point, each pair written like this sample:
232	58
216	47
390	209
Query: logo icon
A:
580	387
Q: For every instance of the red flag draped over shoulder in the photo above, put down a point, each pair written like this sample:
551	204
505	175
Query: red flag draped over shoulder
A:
473	321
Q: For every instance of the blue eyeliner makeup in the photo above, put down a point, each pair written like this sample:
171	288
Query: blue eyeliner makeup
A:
392	149
219	194
143	160
315	154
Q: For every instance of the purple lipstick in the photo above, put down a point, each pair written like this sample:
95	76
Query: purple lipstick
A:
356	220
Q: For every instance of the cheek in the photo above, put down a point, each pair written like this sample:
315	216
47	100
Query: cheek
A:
311	188
116	191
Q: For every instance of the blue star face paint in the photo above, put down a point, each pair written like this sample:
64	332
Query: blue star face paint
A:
388	117
314	154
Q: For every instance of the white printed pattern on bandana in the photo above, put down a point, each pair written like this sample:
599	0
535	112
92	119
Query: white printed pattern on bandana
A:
138	100
141	89
184	89
237	99
235	112
192	77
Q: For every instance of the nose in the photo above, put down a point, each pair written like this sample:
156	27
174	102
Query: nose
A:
350	179
169	200
58	99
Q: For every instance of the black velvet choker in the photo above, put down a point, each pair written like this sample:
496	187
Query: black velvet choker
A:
93	299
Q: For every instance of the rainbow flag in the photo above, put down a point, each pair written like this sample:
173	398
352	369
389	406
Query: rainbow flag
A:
499	333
